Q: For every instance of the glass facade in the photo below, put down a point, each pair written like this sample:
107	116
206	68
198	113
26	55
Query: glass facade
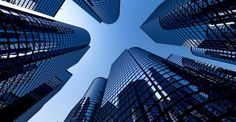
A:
216	54
85	6
196	24
25	107
48	7
33	51
207	71
106	11
89	106
145	87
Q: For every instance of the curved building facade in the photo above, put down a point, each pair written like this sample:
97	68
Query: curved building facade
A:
89	106
33	51
204	24
106	11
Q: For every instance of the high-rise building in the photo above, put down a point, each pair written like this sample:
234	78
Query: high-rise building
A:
34	51
145	87
131	99
48	7
24	108
106	11
87	109
208	27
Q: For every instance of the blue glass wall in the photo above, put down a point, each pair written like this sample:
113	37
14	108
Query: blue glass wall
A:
33	51
25	107
48	7
84	5
106	11
204	24
145	87
88	107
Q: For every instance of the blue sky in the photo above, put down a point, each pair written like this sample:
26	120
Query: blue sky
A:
107	43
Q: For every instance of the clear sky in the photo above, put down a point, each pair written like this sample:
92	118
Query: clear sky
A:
107	43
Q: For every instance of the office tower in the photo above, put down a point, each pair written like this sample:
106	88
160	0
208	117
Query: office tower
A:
48	7
208	27
32	102
145	87
86	110
106	11
217	74
34	51
131	100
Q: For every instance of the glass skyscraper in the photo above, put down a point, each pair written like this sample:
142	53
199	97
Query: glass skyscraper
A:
22	109
106	11
144	87
48	7
88	107
34	53
207	26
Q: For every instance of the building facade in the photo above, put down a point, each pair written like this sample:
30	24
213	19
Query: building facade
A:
25	107
34	50
48	7
87	109
145	87
106	11
207	26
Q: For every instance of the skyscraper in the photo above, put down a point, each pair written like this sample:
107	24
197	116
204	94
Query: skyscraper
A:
131	99
145	87
24	108
88	107
48	7
106	11
208	27
34	52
